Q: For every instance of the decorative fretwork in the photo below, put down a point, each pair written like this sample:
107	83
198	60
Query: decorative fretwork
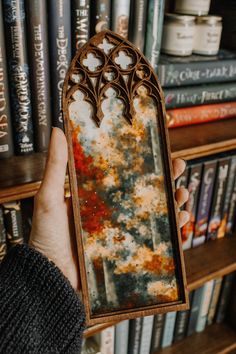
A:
109	60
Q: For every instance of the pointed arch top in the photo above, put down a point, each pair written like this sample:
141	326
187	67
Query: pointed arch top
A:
109	60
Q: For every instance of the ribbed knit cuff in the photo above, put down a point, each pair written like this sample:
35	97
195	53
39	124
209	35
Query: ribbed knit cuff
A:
39	310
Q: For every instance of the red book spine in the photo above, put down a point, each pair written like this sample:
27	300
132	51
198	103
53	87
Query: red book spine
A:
200	114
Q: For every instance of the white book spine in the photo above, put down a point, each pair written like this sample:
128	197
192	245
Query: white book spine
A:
168	331
204	307
146	335
107	340
121	337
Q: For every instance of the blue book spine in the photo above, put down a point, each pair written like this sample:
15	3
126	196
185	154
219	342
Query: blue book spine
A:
121	337
60	52
15	27
204	306
196	302
146	335
168	331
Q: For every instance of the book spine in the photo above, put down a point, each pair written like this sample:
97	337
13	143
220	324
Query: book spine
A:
157	332
13	222
181	323
214	300
204	204
120	17
14	18
108	340
168	330
134	335
191	205
3	239
194	73
228	194
231	212
218	199
196	302
224	297
137	26
39	72
6	141
80	23
155	18
102	15
199	95
204	307
146	336
121	337
199	114
60	52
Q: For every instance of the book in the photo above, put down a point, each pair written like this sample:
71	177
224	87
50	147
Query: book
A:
80	11
60	53
218	198
157	332
137	23
121	337
6	139
199	95
228	194
214	300
181	322
179	117
195	306
204	204
231	211
13	222
224	297
197	69
3	238
135	329
168	330
146	335
155	17
108	340
36	12
120	17
101	10
191	205
204	306
18	68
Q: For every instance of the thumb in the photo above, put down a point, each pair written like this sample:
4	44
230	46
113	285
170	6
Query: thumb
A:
55	171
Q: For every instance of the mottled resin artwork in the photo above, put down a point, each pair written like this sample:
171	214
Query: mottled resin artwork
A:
129	245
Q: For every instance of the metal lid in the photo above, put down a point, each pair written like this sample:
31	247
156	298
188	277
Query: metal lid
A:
208	19
179	18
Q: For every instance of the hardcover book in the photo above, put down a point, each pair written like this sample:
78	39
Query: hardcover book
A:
181	322
214	300
146	336
18	68
157	332
101	11
60	53
135	330
155	17
168	330
80	23
3	239
218	198
108	340
224	297
137	24
204	204
204	306
122	183
195	306
197	69
231	212
6	142
36	12
122	337
13	222
120	17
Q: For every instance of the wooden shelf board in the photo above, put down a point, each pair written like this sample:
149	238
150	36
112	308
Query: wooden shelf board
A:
213	259
216	339
203	139
90	331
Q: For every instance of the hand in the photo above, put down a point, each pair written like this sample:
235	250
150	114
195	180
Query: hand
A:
51	231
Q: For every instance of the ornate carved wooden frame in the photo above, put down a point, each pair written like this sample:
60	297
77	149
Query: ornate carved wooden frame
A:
126	80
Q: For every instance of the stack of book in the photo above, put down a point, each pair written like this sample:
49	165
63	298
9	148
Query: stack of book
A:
211	183
208	305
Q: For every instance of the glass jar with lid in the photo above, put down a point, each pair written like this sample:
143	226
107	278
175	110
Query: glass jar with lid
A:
207	35
192	7
178	34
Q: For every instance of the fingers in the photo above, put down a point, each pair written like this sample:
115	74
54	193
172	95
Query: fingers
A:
181	196
55	172
183	217
179	166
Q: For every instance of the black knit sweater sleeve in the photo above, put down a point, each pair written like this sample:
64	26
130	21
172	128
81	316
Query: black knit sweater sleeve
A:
39	310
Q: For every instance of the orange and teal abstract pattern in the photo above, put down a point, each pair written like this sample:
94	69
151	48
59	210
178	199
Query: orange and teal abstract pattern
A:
122	195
